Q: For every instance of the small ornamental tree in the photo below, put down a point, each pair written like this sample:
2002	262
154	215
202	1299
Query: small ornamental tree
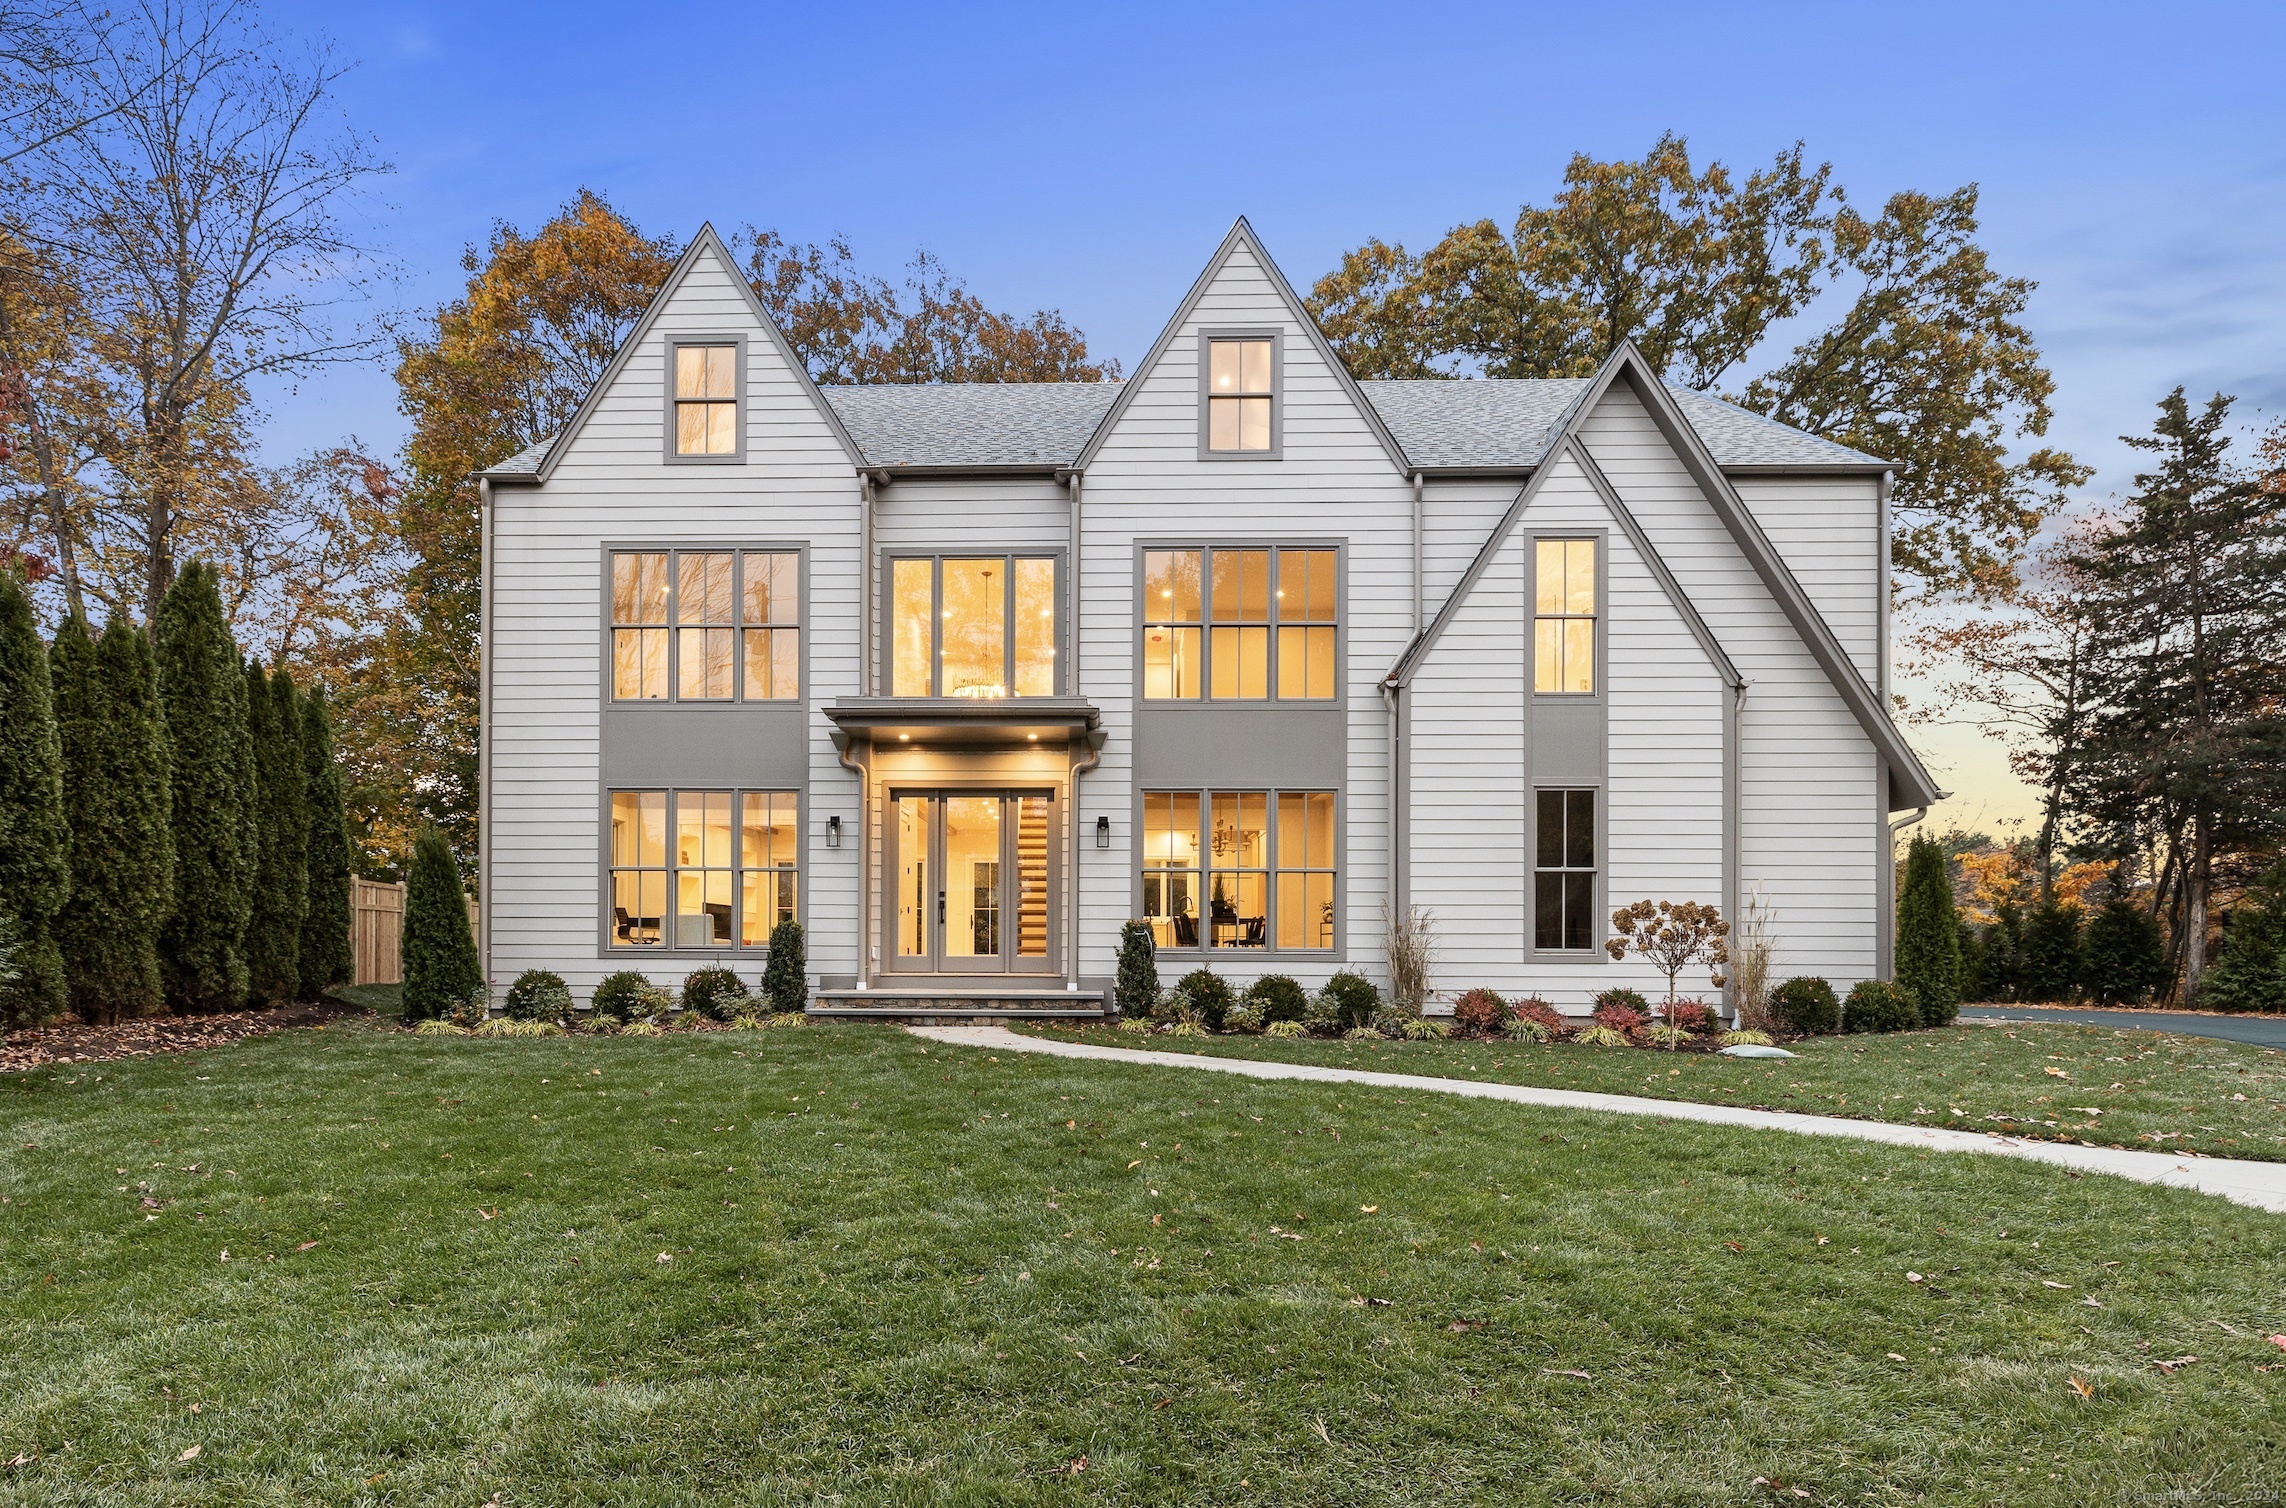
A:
202	696
1673	935
785	975
2123	956
1929	934
35	854
441	970
324	958
281	871
115	792
1136	991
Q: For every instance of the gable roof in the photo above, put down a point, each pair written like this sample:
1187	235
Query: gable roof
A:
973	424
1906	773
1242	234
536	463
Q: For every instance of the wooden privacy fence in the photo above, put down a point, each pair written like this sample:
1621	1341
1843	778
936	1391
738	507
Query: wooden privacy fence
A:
377	929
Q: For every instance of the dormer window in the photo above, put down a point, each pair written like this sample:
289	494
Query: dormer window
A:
1241	394
703	408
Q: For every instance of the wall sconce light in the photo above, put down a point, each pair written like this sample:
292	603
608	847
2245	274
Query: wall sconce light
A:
833	832
1103	832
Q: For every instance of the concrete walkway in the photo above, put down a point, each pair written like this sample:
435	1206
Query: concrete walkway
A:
2260	1184
2259	1031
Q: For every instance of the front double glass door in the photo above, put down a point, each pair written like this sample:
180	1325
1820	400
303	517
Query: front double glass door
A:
973	872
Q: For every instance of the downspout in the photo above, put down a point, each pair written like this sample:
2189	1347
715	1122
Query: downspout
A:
1072	587
842	744
865	585
1400	857
484	730
1885	962
1093	757
1417	484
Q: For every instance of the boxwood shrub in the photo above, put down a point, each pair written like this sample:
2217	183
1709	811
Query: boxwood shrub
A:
1807	1006
1204	995
1351	1000
538	995
715	993
1878	1005
1278	998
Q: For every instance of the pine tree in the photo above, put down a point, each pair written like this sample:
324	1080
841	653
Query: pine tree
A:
2048	954
281	878
1928	934
325	959
115	795
2250	972
441	970
2003	946
35	866
202	957
2124	957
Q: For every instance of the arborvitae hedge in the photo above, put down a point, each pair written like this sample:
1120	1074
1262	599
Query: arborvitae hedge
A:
2249	974
35	866
115	790
325	958
2124	955
202	695
786	976
1929	934
1136	991
281	879
2048	963
441	971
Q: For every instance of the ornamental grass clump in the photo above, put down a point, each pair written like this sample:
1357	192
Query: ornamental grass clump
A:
538	995
714	993
1285	1030
1600	1035
1480	1012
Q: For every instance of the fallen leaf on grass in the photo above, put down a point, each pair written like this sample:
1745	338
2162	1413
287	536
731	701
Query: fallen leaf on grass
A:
665	1258
2050	1283
1734	1246
2082	1388
2091	1303
189	1455
2279	1341
490	1214
1077	1465
1369	1209
1138	1162
1566	1372
2169	1367
1893	1356
1462	1327
305	1246
1912	1277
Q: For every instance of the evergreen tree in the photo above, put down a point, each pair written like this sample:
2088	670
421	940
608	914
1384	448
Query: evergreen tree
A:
1929	934
2250	972
115	794
1973	963
35	865
785	977
2048	954
202	694
2125	957
1136	991
325	959
281	878
441	969
2003	942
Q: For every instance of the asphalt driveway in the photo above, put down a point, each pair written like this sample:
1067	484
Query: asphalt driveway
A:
2261	1031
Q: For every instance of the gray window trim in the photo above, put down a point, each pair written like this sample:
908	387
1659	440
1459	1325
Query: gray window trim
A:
1602	537
1206	698
673	698
1533	952
731	953
885	647
1338	953
1208	334
675	343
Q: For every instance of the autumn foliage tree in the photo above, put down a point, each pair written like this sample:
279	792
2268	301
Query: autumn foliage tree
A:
1673	936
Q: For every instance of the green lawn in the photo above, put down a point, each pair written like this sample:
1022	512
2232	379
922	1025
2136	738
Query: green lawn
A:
2155	1092
841	1264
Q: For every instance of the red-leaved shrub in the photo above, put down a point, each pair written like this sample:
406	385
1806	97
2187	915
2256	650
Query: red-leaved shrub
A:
1533	1008
1480	1012
1691	1015
1619	1018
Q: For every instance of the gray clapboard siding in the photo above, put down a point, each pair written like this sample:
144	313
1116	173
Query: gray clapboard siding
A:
1828	529
1809	797
796	484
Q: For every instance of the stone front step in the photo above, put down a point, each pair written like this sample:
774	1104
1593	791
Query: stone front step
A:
937	1004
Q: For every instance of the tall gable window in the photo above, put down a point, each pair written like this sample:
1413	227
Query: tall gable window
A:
706	625
1563	617
703	382
1241	380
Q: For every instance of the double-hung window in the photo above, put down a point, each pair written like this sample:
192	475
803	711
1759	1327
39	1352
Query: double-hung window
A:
704	405
1563	871
1240	395
976	626
706	625
1240	869
1240	624
1563	617
701	869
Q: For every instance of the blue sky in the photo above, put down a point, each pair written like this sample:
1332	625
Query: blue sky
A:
1088	159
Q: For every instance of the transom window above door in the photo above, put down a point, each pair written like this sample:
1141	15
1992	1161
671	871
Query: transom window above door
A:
1240	624
978	626
706	625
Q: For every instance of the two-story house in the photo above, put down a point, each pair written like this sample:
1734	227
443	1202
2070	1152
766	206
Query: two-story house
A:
965	677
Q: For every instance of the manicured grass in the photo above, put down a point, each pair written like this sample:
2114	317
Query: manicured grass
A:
843	1264
383	999
2155	1092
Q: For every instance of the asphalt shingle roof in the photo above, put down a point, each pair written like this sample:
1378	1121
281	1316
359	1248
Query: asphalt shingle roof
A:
1505	422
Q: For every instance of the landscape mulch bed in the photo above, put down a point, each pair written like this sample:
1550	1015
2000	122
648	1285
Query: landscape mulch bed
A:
74	1043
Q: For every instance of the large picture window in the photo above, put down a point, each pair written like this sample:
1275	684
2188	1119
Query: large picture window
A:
706	625
978	626
701	869
1563	872
1240	869
1240	624
1563	617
